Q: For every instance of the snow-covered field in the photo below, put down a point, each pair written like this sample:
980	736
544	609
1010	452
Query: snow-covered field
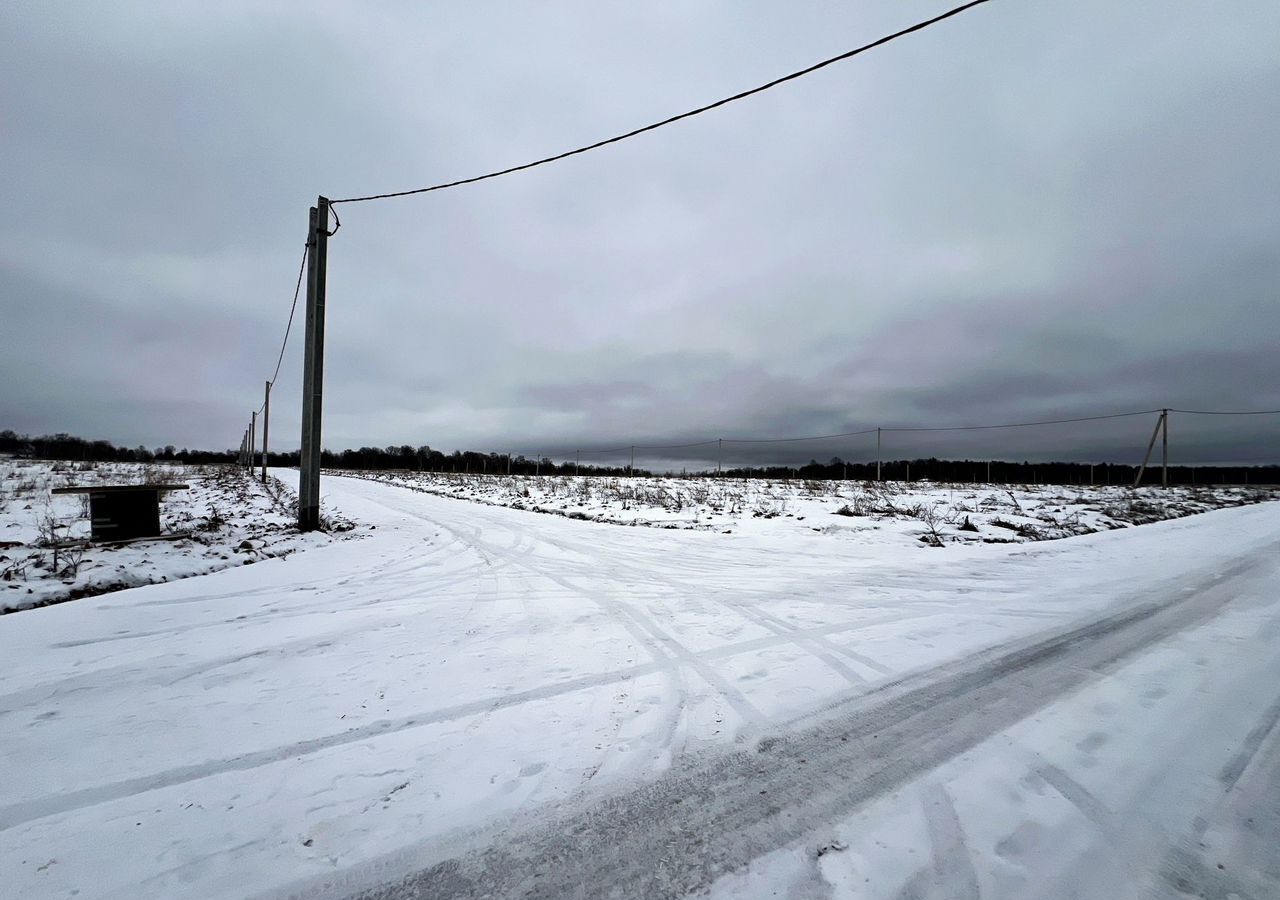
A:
479	701
231	520
935	514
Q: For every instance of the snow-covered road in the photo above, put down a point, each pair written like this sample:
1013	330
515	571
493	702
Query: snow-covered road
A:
487	700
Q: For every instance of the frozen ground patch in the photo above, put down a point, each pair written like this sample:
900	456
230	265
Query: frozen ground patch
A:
933	514
230	519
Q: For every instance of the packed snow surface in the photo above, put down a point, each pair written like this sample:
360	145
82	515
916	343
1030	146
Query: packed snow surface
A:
472	700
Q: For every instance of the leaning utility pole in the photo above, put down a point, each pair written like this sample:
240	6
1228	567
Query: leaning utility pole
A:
1164	449
1160	424
313	369
266	422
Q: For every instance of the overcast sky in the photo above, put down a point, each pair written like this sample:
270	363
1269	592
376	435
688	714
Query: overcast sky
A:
1034	210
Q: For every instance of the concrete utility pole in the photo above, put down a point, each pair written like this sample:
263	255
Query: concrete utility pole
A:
1150	445
1164	449
719	454
266	422
313	369
253	438
631	469
877	454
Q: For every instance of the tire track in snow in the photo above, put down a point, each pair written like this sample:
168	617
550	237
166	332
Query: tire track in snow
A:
663	644
952	873
666	653
153	672
19	813
1077	795
714	813
276	611
109	677
665	657
816	645
751	716
316	584
1247	868
1233	770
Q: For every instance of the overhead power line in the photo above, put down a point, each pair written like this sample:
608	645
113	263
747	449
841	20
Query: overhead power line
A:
1218	412
632	447
1141	412
673	446
844	434
812	437
676	118
901	429
297	289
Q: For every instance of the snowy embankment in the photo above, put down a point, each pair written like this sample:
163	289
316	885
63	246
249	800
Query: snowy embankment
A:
228	517
934	514
451	699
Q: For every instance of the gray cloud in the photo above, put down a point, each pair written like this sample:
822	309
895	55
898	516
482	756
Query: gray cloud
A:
1028	212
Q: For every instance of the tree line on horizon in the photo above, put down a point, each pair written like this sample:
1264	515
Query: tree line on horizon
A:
64	446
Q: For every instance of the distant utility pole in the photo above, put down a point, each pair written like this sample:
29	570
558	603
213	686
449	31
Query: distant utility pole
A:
577	461
253	438
631	469
1160	425
313	369
266	422
1164	449
877	454
719	454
